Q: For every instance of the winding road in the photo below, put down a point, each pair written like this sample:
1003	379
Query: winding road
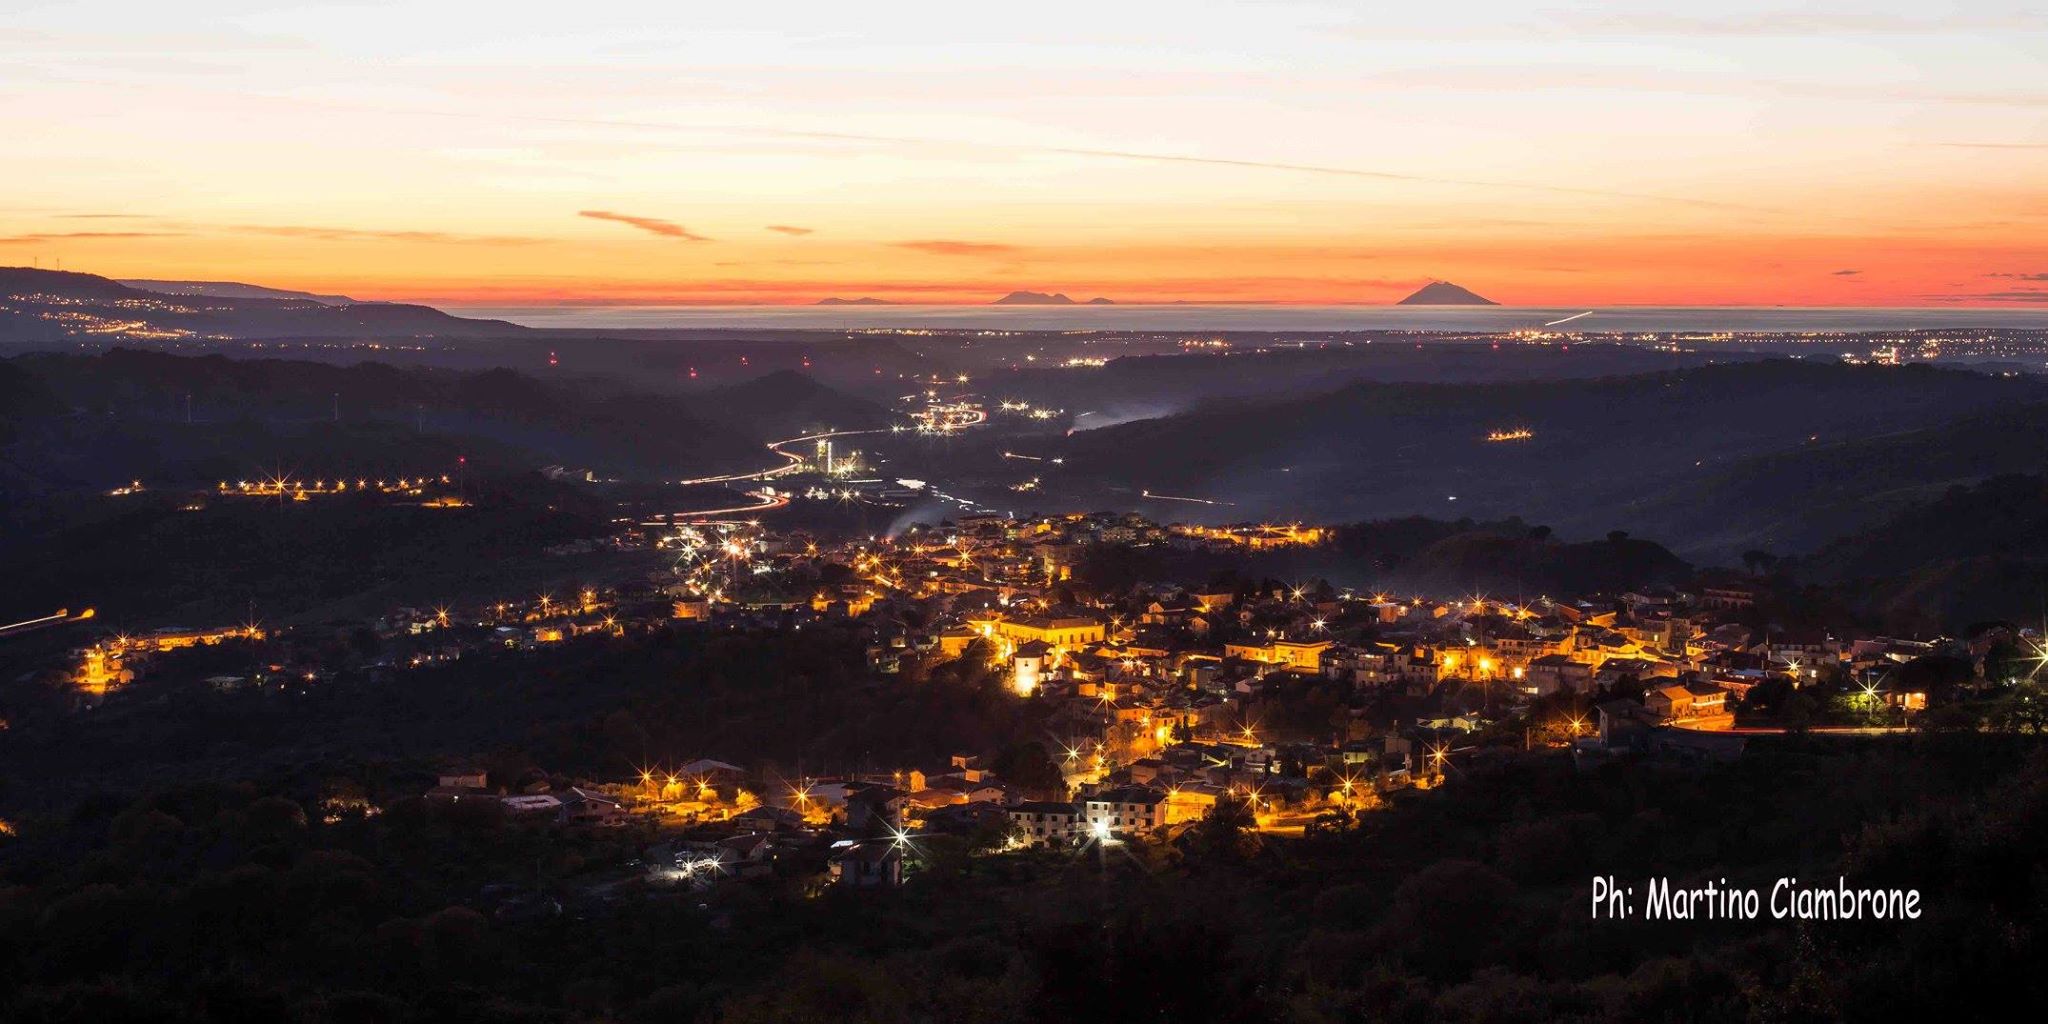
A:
765	500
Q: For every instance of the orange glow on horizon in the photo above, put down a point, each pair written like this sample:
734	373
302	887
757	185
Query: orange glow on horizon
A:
1250	153
1731	264
1608	273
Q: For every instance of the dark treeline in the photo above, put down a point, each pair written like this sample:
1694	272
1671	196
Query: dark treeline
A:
242	408
1412	555
152	560
596	707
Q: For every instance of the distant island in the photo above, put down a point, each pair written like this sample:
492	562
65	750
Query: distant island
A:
1022	298
862	301
234	290
1444	293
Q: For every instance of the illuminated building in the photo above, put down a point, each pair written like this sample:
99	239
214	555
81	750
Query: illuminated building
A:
1125	809
1296	654
100	671
1029	666
1257	537
1044	823
1058	633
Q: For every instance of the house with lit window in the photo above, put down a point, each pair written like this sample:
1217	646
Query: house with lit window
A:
1642	670
1553	673
1044	823
1124	810
872	864
1375	664
1062	632
1799	651
1029	666
1420	668
1304	655
872	803
953	642
1700	706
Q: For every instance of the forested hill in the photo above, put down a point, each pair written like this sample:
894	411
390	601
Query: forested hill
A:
1972	554
48	305
1596	451
137	414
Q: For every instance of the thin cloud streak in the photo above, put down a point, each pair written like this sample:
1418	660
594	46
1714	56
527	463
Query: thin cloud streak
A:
70	236
1349	172
333	234
790	229
1792	23
953	247
305	231
652	225
1101	154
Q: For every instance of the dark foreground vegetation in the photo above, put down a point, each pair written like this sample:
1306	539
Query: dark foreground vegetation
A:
597	707
283	900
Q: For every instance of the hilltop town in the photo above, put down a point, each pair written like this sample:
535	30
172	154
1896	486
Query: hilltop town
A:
1150	707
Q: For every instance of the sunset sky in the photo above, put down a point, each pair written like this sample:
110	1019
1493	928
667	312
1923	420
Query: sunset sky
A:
1876	153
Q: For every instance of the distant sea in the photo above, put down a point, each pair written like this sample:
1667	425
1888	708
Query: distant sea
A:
1203	317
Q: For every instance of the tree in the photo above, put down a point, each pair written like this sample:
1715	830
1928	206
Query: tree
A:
2007	662
1798	712
1448	918
2025	710
979	651
1029	767
1229	832
1624	687
1768	697
1936	675
1332	822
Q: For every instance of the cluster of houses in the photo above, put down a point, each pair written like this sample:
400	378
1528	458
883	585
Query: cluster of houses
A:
1156	691
535	799
1168	671
867	830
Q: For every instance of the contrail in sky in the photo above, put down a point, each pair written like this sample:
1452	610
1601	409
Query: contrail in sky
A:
1026	148
1021	148
1119	154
